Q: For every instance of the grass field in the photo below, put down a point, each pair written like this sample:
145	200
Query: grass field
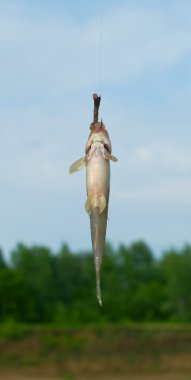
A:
35	376
135	352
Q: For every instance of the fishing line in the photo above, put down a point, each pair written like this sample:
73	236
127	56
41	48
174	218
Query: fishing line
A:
100	54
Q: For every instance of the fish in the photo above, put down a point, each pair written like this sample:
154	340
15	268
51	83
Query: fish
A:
98	154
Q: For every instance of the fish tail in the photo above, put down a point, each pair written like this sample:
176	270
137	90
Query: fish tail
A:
98	289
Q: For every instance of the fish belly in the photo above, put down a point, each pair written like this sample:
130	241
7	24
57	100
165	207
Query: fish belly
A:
97	181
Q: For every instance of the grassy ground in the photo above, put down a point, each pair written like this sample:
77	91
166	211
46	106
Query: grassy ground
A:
133	352
35	375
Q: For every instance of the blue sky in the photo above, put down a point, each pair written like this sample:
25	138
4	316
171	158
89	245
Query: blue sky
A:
49	68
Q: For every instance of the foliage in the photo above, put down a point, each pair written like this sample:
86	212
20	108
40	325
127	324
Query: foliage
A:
10	329
40	286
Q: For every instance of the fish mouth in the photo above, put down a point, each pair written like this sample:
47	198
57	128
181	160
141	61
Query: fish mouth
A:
106	147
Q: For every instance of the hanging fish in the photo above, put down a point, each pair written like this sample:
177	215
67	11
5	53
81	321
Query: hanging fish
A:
97	161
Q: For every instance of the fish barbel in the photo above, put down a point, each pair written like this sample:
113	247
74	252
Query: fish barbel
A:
97	162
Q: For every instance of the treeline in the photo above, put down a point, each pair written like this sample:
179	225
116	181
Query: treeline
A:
40	286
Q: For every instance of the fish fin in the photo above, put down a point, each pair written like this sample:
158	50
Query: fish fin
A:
77	165
88	205
113	158
109	156
93	202
102	203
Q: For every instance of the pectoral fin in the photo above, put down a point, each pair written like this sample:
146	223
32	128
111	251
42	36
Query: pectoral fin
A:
93	202
77	165
109	156
113	158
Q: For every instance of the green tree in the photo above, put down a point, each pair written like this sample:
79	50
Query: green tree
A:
14	301
75	282
142	283
177	268
35	265
2	260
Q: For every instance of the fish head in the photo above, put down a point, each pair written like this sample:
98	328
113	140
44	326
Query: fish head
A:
98	137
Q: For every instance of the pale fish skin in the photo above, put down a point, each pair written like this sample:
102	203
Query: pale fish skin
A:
97	161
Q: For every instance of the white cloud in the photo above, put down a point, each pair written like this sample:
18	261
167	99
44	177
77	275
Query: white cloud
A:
163	158
155	173
143	152
162	193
